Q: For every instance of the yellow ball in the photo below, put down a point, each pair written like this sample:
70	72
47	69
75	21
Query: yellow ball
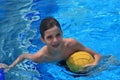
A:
78	60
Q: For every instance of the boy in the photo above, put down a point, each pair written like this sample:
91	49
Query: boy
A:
57	48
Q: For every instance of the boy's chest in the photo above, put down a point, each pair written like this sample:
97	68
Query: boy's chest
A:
53	58
59	56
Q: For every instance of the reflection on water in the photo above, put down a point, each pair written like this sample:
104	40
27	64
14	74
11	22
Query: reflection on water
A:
11	27
105	64
14	36
25	70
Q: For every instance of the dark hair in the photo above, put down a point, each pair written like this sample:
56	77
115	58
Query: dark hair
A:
48	23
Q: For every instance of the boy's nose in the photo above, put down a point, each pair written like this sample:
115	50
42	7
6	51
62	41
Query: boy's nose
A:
55	39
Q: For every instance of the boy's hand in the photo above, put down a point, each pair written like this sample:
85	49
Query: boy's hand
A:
89	67
94	64
2	65
6	67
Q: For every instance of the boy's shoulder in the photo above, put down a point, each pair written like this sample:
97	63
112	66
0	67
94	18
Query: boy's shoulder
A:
70	41
43	50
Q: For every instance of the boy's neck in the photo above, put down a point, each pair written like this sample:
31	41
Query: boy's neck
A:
56	52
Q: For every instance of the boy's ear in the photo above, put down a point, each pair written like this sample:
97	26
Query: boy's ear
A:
42	39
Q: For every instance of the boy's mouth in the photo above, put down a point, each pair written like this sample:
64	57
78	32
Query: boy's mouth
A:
55	45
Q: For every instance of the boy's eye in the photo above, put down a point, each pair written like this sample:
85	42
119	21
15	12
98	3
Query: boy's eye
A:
58	35
49	37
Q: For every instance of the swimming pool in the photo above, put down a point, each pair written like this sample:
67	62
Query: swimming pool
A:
95	24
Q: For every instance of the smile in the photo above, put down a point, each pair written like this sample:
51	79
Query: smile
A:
55	46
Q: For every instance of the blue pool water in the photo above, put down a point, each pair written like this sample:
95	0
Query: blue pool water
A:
96	24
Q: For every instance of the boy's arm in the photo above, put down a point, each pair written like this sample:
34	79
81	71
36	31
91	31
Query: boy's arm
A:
20	58
37	57
95	55
79	46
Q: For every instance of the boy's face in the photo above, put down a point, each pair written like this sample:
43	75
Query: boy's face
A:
53	37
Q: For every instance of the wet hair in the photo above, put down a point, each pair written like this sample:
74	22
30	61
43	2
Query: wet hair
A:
48	23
